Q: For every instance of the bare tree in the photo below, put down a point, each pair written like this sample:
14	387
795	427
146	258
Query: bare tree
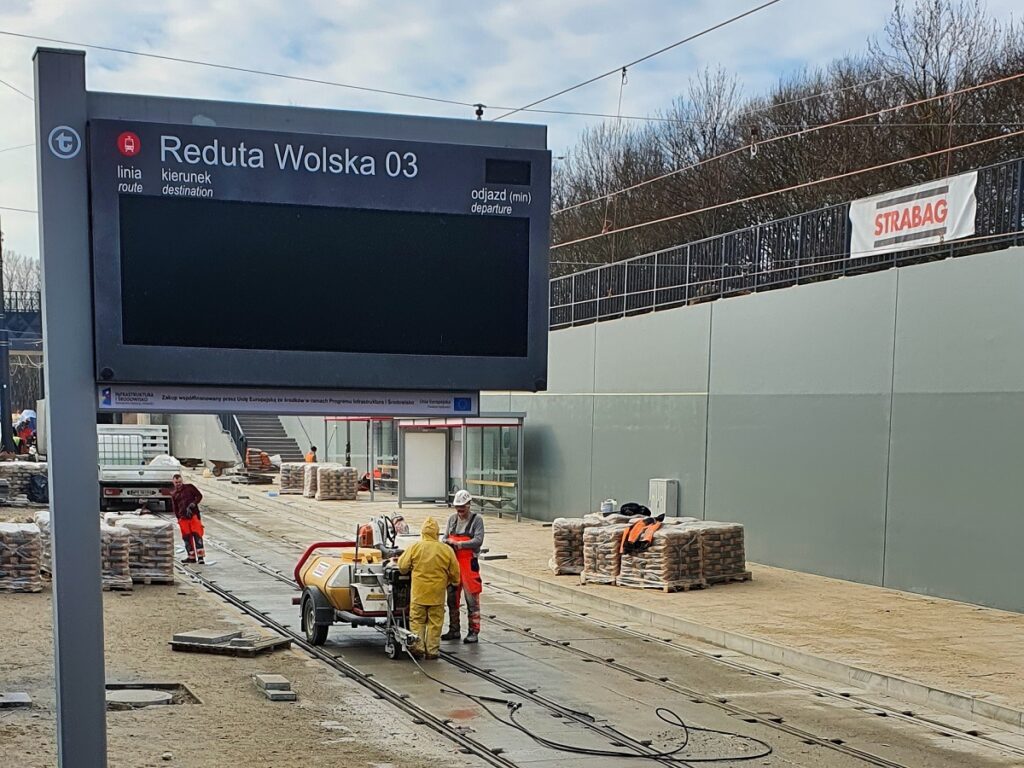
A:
712	147
21	272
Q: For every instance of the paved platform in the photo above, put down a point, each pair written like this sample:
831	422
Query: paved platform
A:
959	657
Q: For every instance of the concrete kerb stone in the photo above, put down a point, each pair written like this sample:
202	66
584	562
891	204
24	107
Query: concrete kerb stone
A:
970	707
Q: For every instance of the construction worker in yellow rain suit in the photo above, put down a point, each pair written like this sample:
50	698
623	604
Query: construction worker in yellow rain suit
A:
434	568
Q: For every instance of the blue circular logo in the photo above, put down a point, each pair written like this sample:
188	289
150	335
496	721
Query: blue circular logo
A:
65	142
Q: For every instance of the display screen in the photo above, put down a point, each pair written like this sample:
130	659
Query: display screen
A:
234	275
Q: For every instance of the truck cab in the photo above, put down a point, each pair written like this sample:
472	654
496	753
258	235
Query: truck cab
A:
131	473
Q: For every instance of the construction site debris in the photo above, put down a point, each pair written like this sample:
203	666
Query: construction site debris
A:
293	477
21	554
15	700
337	483
247	644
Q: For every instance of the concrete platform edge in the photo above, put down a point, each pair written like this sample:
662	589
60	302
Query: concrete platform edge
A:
973	708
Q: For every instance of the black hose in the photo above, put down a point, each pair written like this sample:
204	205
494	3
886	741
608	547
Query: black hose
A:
664	714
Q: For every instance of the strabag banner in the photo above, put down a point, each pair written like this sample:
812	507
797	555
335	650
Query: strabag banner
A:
926	214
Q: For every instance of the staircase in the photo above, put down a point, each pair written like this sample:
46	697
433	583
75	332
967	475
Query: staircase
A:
265	433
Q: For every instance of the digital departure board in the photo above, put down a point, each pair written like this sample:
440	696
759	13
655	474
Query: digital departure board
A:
243	257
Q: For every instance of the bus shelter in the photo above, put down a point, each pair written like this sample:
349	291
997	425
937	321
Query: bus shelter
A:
481	454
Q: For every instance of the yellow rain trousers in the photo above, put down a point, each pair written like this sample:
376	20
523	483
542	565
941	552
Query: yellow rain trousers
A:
434	568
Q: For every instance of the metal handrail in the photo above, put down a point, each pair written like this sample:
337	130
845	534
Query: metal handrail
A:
230	424
801	248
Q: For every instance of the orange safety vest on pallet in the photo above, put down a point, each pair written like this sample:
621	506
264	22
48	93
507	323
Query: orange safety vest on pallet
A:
639	536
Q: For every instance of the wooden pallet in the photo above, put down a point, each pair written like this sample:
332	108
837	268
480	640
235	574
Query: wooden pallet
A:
252	479
668	588
116	588
264	645
743	576
151	580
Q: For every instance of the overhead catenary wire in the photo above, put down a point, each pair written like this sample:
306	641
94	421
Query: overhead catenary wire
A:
235	68
17	210
794	134
20	146
627	65
16	89
791	188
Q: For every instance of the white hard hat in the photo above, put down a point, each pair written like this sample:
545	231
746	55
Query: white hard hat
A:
462	498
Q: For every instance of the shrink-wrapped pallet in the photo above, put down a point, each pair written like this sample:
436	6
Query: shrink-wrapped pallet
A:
42	520
671	562
336	483
293	477
19	475
567	537
115	544
21	554
722	550
601	553
309	479
151	550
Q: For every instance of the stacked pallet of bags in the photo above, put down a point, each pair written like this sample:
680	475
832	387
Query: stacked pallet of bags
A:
337	483
672	561
19	475
115	546
567	535
151	549
601	557
293	477
723	551
309	477
21	554
42	520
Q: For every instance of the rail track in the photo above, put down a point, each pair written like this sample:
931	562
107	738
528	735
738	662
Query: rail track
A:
567	713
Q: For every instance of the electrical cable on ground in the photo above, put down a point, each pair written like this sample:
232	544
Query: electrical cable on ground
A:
673	756
802	132
791	188
633	63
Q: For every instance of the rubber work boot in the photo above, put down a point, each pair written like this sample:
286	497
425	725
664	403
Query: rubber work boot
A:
453	633
471	638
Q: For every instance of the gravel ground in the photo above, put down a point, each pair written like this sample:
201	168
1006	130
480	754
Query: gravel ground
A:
334	722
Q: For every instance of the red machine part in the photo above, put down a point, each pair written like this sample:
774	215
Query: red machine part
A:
313	548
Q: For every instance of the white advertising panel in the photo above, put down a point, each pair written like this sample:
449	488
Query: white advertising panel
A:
935	212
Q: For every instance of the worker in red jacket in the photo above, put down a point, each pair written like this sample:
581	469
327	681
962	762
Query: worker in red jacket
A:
185	501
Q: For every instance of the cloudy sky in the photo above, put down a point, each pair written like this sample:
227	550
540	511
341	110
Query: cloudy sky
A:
500	53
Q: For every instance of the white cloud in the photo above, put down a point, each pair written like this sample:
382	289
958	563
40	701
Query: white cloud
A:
500	53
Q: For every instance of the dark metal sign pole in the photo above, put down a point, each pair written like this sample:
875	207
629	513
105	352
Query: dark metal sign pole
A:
61	111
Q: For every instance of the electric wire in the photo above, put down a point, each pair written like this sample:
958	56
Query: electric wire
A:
18	210
16	89
20	146
633	63
235	68
802	132
671	755
791	188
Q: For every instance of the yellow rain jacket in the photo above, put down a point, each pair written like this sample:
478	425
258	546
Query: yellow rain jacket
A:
433	566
